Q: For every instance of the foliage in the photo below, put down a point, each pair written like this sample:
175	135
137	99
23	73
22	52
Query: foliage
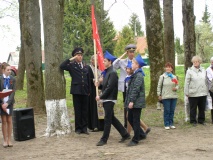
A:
179	51
204	36
204	40
206	15
108	34
178	46
125	37
76	31
78	27
135	25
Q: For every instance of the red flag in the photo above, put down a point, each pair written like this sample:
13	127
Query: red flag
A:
97	40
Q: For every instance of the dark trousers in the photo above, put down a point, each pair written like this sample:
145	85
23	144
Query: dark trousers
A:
200	103
134	115
211	94
109	119
125	109
80	103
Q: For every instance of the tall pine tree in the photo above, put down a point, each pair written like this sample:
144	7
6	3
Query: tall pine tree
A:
135	25
124	38
78	27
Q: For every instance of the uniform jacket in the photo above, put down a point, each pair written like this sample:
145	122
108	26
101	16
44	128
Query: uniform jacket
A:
136	91
11	99
166	84
121	64
196	82
109	86
80	77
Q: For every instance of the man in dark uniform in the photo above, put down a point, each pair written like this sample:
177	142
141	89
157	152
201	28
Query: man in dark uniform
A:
80	88
109	94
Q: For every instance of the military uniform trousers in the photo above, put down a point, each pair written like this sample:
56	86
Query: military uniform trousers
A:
80	103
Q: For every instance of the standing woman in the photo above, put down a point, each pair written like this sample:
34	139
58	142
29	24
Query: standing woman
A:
209	74
167	92
196	90
94	123
7	82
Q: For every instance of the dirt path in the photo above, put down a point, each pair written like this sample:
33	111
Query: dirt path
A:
182	143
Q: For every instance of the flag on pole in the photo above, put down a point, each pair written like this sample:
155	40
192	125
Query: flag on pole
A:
97	41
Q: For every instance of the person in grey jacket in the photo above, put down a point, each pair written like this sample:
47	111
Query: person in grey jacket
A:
196	89
135	100
121	64
109	88
167	92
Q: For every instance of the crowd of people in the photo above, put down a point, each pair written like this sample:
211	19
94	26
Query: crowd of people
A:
87	101
95	95
131	83
198	92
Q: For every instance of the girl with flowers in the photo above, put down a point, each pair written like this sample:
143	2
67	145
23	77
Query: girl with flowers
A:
167	92
6	104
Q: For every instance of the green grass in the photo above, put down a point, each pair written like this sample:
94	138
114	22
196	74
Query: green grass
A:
151	116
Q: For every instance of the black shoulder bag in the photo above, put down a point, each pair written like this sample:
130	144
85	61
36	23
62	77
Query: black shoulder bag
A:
161	90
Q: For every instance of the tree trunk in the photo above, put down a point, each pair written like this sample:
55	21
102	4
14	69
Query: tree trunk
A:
169	47
57	116
154	36
189	39
32	49
21	64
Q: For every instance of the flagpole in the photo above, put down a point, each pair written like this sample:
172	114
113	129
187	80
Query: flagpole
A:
96	71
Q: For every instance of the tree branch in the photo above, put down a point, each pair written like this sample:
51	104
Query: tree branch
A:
111	6
126	5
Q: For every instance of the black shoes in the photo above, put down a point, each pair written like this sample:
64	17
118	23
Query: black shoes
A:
78	132
142	137
123	139
194	124
101	143
148	130
132	143
202	123
85	132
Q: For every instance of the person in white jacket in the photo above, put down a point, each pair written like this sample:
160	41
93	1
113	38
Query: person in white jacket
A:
121	63
209	74
196	90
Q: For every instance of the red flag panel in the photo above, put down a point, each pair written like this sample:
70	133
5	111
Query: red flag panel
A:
97	40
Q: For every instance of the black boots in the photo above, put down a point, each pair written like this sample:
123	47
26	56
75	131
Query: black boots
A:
212	115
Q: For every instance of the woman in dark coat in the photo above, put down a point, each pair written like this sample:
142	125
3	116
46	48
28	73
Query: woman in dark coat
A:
95	123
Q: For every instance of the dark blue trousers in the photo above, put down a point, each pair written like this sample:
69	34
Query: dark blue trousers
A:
80	103
134	115
109	119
